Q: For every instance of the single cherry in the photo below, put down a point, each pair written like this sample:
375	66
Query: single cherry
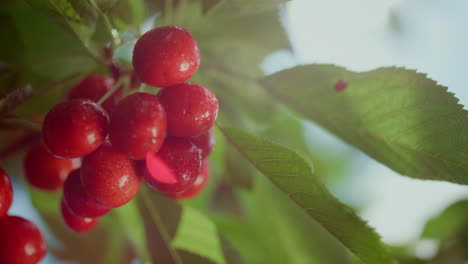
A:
6	193
109	176
75	223
74	128
205	143
78	201
93	87
45	171
197	186
138	125
21	241
191	109
166	56
175	167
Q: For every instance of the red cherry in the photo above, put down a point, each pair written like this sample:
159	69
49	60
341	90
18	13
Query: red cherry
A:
166	56
78	201
74	128
191	109
6	193
45	171
109	176
197	186
21	242
93	87
75	223
205	142
138	125
175	167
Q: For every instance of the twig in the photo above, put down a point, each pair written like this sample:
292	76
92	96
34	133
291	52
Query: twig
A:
113	90
160	225
23	123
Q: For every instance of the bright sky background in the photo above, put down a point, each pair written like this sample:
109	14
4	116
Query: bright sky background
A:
356	34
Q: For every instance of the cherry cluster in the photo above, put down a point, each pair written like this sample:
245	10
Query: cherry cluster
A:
100	153
21	241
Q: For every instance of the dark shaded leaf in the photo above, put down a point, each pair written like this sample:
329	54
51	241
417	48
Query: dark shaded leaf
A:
80	16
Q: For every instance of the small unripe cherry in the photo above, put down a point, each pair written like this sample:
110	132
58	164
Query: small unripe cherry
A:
78	201
6	193
191	109
138	125
175	167
204	142
166	56
21	241
75	128
93	87
109	176
197	186
45	171
75	223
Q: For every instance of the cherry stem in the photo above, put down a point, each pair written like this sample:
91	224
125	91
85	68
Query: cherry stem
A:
142	87
114	34
112	31
112	91
141	254
160	225
15	98
17	145
215	7
126	89
19	122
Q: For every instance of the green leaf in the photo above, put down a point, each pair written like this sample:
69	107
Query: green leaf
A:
103	5
241	176
128	15
241	235
132	224
233	91
81	17
296	239
208	4
448	223
197	234
162	218
231	8
292	132
44	52
290	173
397	116
302	240
246	45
